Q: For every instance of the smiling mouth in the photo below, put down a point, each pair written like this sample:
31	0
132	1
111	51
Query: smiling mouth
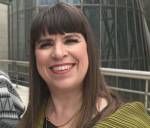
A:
61	68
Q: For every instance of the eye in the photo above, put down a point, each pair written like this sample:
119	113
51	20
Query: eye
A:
46	44
71	41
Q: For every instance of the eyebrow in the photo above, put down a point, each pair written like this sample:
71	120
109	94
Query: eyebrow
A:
71	36
68	36
43	40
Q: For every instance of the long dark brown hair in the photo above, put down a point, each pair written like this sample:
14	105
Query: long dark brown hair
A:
64	18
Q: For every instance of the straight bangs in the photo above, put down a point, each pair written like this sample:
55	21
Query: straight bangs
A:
57	20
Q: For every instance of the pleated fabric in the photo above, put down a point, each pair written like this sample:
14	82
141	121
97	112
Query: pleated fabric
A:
130	115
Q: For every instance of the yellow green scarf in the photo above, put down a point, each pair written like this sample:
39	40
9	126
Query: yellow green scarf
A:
130	115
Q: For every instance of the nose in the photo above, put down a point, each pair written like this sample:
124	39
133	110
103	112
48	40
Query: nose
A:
59	51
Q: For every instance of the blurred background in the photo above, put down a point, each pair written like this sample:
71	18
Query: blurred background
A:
123	39
146	7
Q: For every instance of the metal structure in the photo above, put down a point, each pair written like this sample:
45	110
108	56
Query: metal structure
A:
119	25
132	74
5	1
123	73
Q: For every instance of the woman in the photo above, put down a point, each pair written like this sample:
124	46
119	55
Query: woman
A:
67	89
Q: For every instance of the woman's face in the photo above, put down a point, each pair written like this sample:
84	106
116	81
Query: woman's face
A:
62	60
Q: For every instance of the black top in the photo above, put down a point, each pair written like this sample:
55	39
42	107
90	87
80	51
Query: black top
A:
48	124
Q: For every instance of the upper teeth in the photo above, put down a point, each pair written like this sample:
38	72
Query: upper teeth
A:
59	68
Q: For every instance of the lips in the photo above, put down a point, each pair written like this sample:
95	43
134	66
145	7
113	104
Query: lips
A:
61	68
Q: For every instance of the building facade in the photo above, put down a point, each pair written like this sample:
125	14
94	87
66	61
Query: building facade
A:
146	6
3	34
119	25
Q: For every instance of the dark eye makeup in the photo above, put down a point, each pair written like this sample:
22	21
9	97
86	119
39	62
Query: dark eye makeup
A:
43	44
70	41
48	42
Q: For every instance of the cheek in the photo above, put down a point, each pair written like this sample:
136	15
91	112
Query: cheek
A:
41	58
84	53
84	64
83	57
85	60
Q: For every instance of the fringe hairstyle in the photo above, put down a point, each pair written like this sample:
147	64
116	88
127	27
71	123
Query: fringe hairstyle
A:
64	18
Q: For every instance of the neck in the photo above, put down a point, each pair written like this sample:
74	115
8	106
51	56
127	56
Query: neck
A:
64	105
67	101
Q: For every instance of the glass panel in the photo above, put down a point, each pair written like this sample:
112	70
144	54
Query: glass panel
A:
3	32
107	2
71	1
91	1
132	96
28	20
21	36
34	3
122	40
108	45
43	2
14	6
46	2
20	4
138	5
133	48
135	4
121	2
30	3
93	15
10	32
15	40
77	1
130	3
140	42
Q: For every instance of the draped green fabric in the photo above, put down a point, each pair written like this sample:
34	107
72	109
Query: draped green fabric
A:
130	115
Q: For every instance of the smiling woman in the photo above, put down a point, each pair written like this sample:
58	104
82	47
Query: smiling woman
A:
67	89
60	59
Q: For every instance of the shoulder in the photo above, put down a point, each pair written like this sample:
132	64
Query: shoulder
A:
136	107
101	103
132	115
